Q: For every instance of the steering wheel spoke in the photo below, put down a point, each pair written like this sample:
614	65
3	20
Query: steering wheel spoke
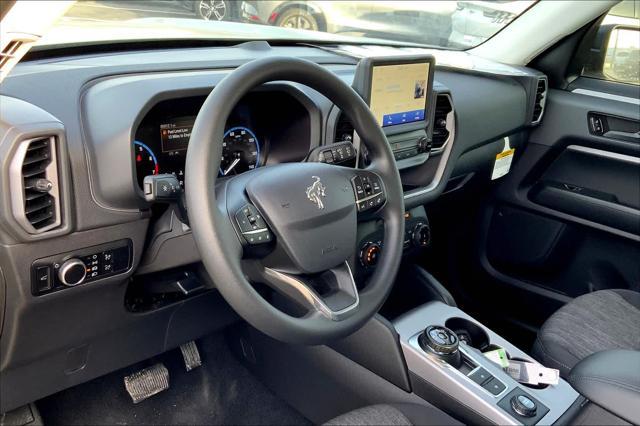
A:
331	294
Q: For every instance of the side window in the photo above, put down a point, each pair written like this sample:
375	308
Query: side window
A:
616	49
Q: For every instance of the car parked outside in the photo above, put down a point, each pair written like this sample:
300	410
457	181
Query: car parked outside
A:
475	21
426	22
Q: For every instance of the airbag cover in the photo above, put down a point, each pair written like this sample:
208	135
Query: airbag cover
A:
311	209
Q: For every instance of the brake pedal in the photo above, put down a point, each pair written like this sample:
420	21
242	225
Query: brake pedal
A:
147	382
191	355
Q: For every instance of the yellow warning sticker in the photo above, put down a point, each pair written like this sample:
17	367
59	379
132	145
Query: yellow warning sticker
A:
502	164
505	153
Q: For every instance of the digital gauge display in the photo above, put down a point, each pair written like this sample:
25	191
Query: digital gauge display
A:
166	152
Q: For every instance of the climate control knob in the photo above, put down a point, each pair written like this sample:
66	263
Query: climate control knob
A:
72	272
369	254
421	235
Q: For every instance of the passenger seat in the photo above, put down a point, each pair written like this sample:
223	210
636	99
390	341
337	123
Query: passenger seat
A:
594	322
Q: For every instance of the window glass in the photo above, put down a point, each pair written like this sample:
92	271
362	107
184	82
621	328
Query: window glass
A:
615	53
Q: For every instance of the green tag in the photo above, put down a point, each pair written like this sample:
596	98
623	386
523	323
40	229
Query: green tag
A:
499	356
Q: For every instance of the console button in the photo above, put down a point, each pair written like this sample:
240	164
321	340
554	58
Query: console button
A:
480	376
524	406
43	279
494	386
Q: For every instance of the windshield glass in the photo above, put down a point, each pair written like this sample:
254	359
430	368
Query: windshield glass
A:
443	24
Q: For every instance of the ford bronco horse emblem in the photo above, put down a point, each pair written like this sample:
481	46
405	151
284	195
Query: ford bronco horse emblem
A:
315	192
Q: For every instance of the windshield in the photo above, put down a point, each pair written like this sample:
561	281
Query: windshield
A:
443	24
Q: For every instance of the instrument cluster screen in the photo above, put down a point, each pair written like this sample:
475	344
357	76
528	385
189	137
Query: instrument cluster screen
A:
255	131
399	93
175	136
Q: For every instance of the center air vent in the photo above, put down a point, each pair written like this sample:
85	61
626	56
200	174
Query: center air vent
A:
442	123
541	98
35	191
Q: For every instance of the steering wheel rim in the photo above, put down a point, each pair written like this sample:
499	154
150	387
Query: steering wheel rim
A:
215	237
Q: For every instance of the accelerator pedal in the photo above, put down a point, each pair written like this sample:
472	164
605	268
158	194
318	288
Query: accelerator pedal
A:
147	382
191	355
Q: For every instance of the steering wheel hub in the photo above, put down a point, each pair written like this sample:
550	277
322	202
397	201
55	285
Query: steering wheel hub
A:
311	208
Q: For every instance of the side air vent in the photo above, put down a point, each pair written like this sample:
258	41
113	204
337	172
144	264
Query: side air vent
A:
541	99
442	123
35	192
344	129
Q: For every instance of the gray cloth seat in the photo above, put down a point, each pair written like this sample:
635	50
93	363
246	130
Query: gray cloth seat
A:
594	322
394	415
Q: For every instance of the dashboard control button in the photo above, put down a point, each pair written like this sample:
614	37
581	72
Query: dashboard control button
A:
73	272
480	376
494	386
107	256
421	235
369	254
524	406
43	279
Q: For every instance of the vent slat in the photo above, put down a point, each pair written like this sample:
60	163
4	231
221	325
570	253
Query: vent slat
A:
35	157
41	219
40	204
38	144
34	195
32	172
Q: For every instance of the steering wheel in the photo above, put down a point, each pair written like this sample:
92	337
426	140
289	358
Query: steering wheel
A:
293	226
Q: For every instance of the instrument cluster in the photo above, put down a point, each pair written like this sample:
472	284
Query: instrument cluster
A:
255	135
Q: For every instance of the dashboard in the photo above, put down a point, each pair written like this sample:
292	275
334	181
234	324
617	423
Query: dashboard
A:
110	119
256	134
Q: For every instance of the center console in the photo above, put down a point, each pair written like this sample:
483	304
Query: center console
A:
443	348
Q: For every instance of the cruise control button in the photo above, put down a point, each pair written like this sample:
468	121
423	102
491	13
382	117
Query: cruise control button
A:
243	222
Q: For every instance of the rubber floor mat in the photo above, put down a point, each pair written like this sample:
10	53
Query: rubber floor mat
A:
222	391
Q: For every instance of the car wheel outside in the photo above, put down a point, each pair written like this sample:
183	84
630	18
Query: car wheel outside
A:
213	10
299	18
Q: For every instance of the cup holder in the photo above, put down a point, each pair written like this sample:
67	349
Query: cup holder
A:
468	332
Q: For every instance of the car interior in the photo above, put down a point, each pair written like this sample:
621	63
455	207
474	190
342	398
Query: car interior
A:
296	227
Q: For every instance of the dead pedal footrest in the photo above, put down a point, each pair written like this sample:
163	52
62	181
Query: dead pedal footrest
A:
147	382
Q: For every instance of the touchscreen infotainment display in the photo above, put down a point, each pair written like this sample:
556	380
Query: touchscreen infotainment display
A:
399	93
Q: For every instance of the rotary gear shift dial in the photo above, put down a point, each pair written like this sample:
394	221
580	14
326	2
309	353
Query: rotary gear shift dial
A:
442	342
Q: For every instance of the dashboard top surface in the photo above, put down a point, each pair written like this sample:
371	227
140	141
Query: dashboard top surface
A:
80	90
